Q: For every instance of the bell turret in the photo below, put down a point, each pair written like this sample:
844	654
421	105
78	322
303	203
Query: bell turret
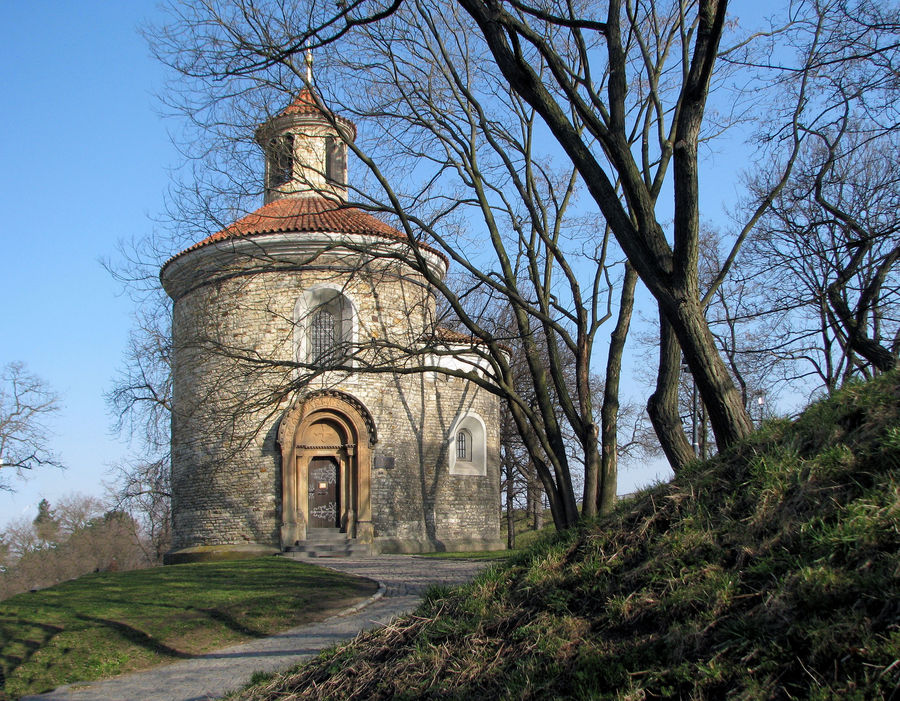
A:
306	151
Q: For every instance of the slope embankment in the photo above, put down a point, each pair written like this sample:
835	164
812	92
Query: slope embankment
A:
772	571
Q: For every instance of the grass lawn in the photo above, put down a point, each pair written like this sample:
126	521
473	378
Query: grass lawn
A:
473	555
525	538
101	625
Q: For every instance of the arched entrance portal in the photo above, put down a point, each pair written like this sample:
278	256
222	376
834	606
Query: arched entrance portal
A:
326	454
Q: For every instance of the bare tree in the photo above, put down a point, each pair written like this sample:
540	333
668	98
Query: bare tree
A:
78	535
827	249
829	246
481	165
26	402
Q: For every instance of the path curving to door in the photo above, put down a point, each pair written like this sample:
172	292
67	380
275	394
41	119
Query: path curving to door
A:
403	578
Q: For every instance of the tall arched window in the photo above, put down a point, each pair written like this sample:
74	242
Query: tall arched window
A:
324	337
324	322
335	160
281	159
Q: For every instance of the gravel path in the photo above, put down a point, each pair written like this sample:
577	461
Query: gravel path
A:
403	580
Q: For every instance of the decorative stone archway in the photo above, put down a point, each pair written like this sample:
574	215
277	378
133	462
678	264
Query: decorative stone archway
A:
333	425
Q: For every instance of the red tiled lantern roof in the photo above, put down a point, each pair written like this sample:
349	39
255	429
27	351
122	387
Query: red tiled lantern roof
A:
304	103
442	334
306	214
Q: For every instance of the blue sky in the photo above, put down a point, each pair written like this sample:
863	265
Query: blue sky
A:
85	163
84	159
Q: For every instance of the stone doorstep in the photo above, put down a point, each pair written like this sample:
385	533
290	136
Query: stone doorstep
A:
326	542
303	552
325	535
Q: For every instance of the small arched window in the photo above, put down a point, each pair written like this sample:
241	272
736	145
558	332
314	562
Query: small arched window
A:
281	159
464	446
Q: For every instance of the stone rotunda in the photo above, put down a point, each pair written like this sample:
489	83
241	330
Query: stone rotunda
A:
309	294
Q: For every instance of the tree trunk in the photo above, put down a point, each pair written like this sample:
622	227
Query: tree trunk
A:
728	418
592	477
535	500
609	413
510	513
663	403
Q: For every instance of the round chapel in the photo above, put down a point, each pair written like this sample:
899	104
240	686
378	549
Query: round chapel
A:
309	410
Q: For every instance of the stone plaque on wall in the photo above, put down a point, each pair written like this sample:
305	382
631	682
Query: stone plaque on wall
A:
384	462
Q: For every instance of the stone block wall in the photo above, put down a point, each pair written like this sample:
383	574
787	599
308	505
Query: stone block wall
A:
235	375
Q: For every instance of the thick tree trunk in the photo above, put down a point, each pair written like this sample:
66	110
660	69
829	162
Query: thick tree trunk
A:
729	419
592	477
560	496
663	403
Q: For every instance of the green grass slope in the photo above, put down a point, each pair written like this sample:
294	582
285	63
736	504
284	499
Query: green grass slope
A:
769	572
105	624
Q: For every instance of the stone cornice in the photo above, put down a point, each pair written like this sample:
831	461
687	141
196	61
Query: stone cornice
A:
273	252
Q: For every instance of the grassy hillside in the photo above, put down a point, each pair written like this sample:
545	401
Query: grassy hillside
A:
769	572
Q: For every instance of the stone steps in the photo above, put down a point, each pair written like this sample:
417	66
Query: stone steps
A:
326	542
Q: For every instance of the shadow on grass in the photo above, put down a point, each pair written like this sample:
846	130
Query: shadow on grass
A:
137	637
230	622
9	662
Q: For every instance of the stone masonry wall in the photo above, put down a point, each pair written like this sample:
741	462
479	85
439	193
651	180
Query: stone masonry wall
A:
229	397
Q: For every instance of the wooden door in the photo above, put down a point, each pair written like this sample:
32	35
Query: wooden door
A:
323	493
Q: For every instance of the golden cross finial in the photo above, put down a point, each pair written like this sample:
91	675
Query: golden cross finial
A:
309	63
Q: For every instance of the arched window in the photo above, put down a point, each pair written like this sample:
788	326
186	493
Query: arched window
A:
323	327
464	445
468	449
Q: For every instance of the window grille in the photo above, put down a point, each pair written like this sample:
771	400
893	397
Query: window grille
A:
463	446
323	339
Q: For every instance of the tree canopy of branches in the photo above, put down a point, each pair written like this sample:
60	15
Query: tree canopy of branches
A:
824	258
829	247
26	402
455	101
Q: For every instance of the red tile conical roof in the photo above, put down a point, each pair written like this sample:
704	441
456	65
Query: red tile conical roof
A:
306	214
304	103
